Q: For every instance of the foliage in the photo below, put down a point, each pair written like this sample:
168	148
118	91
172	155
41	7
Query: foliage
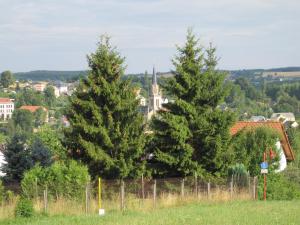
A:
3	138
50	98
106	128
191	134
2	192
17	157
42	75
52	140
28	96
40	154
39	117
6	79
279	188
24	119
249	145
24	208
238	174
61	179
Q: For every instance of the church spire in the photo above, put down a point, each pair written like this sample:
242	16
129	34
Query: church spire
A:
154	79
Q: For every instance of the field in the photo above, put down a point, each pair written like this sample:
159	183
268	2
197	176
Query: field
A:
237	212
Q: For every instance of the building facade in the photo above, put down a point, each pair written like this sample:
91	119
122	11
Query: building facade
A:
155	97
7	107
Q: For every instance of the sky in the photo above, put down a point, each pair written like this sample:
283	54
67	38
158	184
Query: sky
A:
59	34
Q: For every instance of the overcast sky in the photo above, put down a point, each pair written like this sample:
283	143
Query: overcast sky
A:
58	34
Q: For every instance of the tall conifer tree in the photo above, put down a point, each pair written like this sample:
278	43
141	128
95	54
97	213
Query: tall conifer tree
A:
191	134
106	128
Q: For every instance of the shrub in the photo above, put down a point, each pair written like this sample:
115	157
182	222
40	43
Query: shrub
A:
61	179
2	192
279	188
24	208
9	196
238	174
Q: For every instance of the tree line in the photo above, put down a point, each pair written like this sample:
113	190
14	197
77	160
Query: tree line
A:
189	136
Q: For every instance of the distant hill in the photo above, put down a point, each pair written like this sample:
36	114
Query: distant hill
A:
251	73
50	75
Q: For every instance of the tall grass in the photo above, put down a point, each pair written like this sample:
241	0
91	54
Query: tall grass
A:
64	206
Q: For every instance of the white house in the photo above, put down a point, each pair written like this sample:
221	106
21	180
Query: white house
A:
63	88
7	107
283	146
288	119
2	161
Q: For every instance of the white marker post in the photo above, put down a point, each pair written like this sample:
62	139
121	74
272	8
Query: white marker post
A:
101	211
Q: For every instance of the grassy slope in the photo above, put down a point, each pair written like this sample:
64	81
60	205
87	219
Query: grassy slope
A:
279	212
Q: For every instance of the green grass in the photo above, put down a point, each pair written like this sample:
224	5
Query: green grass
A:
258	212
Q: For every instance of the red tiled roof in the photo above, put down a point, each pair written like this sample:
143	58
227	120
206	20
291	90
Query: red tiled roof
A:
32	108
5	100
278	126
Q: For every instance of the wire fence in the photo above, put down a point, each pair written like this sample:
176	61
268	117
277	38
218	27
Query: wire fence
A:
143	194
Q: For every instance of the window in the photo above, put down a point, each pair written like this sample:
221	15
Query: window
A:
157	102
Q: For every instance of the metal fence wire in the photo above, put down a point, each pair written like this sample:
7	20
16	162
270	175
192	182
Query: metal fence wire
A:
142	194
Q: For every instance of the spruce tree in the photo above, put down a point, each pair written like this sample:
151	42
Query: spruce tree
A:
106	128
17	157
191	134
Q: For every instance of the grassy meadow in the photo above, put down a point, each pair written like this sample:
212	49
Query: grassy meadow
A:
225	213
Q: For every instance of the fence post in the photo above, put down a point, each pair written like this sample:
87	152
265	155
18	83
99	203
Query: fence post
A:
154	193
122	195
45	199
208	190
196	185
182	188
254	188
143	187
231	189
86	198
249	184
36	189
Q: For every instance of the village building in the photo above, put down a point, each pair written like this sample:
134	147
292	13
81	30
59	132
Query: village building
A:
39	86
287	118
56	91
257	118
7	107
155	98
283	145
34	108
142	99
62	88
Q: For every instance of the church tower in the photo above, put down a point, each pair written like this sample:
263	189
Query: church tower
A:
155	99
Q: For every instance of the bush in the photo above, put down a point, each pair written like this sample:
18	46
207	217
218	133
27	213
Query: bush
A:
62	180
2	192
279	188
24	208
239	175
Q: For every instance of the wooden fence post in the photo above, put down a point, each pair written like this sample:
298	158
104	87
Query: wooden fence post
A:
36	189
196	185
249	185
122	195
254	188
231	189
45	200
182	188
208	190
86	198
154	193
143	187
